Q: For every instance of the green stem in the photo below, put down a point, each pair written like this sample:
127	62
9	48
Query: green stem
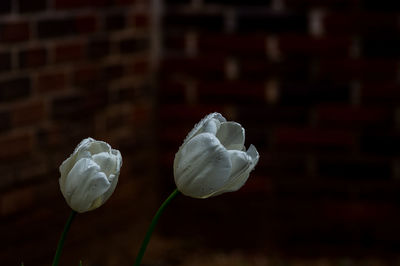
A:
152	226
62	238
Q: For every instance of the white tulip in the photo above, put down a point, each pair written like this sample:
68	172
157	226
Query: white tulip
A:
89	176
212	159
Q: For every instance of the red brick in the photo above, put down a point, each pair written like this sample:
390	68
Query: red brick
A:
5	61
31	113
16	200
272	22
363	23
124	2
281	165
141	20
14	31
16	145
257	115
73	4
213	22
363	212
86	24
134	45
174	42
301	45
138	67
261	69
55	27
51	81
25	6
5	7
330	4
380	93
255	185
69	52
314	137
86	74
172	92
112	71
15	88
115	21
173	136
142	114
116	120
344	116
234	92
207	66
181	113
5	120
363	69
98	48
51	136
32	57
237	44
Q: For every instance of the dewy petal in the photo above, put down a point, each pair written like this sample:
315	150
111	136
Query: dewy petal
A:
81	151
231	135
98	147
211	126
84	144
198	128
106	161
84	184
202	166
114	177
242	164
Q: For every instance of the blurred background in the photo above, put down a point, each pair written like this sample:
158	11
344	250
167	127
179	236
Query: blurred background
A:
314	83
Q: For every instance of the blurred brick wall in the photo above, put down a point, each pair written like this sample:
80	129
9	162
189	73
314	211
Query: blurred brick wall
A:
68	70
316	85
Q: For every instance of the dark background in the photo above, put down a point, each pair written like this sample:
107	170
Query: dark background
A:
314	83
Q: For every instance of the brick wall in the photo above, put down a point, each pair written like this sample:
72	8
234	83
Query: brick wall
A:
68	70
316	85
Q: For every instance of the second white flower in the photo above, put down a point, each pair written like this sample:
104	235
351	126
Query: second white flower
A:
212	160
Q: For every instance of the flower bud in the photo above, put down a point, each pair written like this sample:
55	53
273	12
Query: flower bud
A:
89	176
212	159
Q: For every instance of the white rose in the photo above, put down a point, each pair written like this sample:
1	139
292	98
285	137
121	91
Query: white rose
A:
89	176
212	159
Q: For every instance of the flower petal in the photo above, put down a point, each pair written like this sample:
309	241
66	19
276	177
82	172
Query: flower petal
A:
242	164
98	147
202	166
81	151
106	161
231	135
85	183
199	127
114	177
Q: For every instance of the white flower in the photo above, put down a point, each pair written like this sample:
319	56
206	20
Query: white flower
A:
212	159
89	176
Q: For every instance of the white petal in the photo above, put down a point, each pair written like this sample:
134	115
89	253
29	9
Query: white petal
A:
231	135
114	177
98	147
84	184
199	127
242	164
81	151
253	153
202	166
106	161
84	144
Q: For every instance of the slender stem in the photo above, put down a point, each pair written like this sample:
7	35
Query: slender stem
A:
152	226
62	238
